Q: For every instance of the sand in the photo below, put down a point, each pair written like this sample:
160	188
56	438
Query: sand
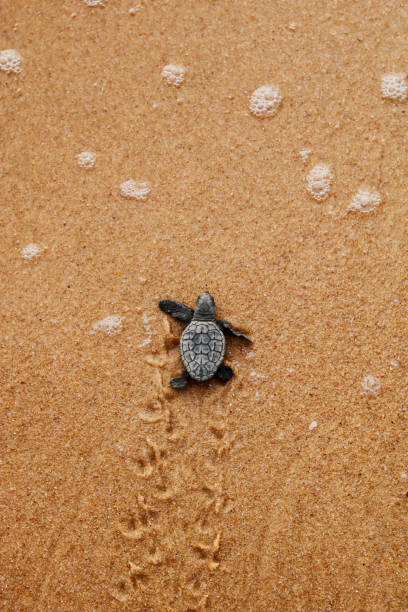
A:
285	489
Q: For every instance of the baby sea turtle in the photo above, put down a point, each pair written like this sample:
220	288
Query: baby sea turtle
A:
202	343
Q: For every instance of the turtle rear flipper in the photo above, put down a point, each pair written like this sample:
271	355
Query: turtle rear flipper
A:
224	372
226	327
177	310
181	381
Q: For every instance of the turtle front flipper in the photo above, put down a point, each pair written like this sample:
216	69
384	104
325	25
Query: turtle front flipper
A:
226	327
181	381
177	310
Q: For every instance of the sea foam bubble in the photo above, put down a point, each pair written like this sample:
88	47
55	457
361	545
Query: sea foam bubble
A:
133	190
319	181
265	101
86	159
395	86
111	325
371	385
10	61
365	201
174	74
31	251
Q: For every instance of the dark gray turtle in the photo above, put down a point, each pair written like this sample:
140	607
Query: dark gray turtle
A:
202	343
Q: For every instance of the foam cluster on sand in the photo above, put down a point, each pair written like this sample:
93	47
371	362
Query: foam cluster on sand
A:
111	326
174	74
31	251
136	191
10	61
304	154
148	328
265	101
395	86
365	201
86	159
319	181
93	2
371	385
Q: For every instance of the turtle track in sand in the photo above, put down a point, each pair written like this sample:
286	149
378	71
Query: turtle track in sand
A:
172	534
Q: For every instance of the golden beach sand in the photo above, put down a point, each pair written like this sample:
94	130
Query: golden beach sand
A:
286	488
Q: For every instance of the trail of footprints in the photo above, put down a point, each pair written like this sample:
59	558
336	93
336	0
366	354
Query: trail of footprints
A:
156	526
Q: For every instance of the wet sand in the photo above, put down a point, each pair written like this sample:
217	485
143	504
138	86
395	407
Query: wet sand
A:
285	489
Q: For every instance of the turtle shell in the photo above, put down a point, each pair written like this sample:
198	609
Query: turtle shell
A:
202	348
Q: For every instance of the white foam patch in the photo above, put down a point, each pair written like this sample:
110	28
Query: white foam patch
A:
136	191
265	101
10	61
111	326
371	385
86	159
319	182
93	2
256	377
395	86
365	201
148	329
137	6
312	425
31	251
174	74
305	153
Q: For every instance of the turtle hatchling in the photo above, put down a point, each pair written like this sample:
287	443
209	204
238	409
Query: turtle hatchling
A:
202	343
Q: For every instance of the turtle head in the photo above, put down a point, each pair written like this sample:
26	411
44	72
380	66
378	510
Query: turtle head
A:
205	307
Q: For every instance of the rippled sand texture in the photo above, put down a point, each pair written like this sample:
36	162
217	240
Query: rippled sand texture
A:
135	167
